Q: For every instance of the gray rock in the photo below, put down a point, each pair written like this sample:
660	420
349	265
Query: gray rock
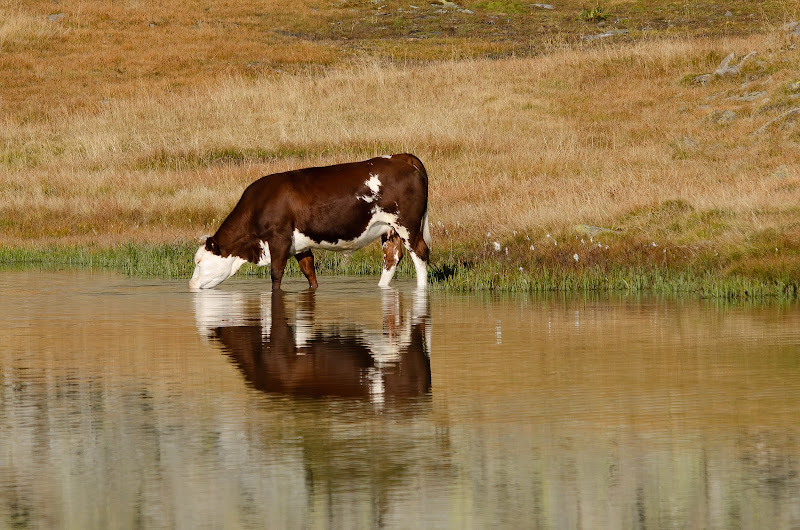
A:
688	143
792	27
751	96
543	6
789	114
605	35
56	17
780	173
703	78
723	66
592	231
726	68
721	117
793	87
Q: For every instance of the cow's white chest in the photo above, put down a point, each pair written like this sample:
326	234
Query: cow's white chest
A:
379	224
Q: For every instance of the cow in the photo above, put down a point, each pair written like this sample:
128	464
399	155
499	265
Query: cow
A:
343	207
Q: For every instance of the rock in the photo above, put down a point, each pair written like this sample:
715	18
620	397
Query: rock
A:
703	79
56	17
724	64
789	114
721	117
688	143
543	6
604	35
728	14
592	231
780	173
793	87
726	68
751	96
792	27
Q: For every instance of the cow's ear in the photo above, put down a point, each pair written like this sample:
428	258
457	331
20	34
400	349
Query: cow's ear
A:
212	246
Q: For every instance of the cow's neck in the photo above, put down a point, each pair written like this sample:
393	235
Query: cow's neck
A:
236	240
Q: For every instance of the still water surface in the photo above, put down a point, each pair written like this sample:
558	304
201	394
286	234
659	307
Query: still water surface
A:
134	403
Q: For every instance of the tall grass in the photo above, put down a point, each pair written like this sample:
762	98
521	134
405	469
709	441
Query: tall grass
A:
518	149
582	136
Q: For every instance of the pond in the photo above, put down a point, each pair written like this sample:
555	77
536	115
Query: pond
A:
136	403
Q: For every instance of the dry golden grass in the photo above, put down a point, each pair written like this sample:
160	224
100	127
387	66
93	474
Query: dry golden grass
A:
71	55
613	135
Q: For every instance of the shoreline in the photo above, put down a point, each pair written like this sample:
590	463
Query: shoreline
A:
459	271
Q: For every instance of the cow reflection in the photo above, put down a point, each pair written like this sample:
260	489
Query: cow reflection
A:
308	359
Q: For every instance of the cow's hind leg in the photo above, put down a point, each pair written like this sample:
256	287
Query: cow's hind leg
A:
306	262
420	254
416	244
392	254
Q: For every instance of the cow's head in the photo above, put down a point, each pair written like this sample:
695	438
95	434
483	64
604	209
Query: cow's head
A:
210	268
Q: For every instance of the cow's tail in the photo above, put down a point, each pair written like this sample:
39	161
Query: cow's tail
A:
426	230
416	163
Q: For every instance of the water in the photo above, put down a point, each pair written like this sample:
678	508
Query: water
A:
135	403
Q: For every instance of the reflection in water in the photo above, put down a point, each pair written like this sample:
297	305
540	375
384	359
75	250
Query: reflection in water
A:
325	410
339	359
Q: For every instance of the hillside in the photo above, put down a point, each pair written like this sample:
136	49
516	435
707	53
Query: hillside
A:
582	141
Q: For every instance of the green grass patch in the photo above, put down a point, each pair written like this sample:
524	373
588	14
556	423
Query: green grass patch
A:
595	14
459	271
176	260
163	159
454	276
502	6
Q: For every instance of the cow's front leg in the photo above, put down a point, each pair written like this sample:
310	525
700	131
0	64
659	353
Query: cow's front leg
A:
279	251
392	254
306	262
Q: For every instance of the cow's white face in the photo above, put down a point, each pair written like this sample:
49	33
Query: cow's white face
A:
211	270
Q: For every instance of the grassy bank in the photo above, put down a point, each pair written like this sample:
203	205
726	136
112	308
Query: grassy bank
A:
127	130
175	260
462	271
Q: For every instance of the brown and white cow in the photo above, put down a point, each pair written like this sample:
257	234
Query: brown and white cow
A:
342	207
